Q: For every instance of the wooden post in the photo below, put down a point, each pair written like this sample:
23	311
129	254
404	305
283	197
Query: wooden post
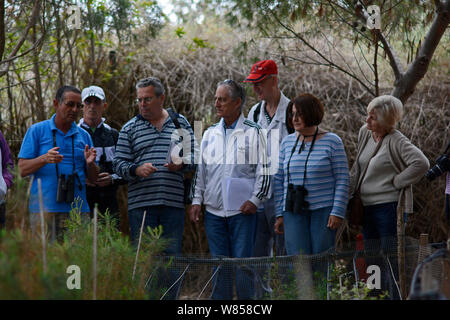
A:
401	252
22	223
41	213
426	277
139	244
94	259
424	249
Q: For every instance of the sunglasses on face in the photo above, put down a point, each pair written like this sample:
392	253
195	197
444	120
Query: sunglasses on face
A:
236	86
72	104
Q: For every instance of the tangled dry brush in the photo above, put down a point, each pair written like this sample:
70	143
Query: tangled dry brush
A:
190	77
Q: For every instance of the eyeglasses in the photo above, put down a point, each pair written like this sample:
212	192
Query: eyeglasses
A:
145	100
72	104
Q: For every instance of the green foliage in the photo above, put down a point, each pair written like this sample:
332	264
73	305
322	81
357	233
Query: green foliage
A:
21	262
344	286
291	283
282	283
180	32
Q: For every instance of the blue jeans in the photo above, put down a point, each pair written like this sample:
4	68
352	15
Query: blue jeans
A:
231	237
170	218
307	233
380	232
265	236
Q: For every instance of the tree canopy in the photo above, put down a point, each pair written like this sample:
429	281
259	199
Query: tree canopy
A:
411	30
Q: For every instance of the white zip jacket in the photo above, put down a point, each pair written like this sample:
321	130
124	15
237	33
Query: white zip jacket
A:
238	153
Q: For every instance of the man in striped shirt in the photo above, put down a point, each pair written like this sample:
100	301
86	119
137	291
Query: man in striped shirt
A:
155	184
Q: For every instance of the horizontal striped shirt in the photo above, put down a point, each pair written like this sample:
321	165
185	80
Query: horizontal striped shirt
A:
327	175
140	142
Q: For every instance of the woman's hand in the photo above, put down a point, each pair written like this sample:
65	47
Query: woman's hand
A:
279	225
334	222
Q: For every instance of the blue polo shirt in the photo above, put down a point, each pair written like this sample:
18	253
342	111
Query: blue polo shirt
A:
37	141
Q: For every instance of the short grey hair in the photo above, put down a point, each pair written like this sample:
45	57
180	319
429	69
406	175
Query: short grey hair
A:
151	81
235	90
389	110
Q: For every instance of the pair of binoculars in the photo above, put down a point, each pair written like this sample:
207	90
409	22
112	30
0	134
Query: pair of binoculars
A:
295	199
66	188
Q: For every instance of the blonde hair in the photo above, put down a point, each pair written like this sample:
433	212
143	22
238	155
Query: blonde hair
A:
389	110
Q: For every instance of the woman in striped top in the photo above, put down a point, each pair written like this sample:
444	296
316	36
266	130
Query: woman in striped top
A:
315	160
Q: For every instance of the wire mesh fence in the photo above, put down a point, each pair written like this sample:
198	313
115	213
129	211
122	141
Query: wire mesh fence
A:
367	270
431	279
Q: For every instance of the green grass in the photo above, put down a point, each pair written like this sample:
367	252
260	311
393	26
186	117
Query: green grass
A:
21	263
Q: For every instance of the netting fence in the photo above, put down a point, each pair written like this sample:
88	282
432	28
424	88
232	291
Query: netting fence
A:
431	279
346	272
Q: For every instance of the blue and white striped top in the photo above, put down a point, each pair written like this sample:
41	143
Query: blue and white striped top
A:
140	142
327	175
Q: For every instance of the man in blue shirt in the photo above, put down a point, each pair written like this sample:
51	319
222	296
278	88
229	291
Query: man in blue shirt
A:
57	149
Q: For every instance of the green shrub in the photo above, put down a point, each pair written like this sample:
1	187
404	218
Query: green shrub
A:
21	262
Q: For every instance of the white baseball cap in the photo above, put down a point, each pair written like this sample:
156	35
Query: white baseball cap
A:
93	91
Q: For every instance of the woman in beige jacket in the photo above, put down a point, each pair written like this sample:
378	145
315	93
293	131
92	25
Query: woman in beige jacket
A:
386	188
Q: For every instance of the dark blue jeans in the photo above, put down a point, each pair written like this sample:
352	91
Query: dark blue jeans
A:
380	232
307	232
172	221
231	237
170	218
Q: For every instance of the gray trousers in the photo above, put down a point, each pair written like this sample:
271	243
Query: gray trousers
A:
267	244
266	240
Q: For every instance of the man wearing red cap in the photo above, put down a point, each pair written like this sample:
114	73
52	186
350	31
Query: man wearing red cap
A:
270	114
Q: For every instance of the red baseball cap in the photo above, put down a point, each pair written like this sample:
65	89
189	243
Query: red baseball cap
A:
261	70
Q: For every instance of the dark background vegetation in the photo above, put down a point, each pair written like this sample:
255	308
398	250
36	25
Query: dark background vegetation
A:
321	47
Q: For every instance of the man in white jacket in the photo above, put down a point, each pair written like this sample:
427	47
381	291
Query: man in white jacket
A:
232	180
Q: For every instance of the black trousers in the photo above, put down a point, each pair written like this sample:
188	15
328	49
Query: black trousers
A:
104	202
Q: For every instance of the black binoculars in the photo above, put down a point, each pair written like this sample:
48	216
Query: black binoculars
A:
295	199
66	188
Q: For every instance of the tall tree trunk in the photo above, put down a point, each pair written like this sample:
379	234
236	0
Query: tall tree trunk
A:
13	54
58	44
92	41
37	79
10	107
2	28
67	36
405	86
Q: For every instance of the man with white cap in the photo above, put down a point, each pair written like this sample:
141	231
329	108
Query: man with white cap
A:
103	191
